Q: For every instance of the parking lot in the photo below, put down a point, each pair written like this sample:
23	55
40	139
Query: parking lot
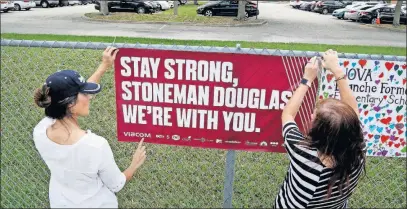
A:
284	25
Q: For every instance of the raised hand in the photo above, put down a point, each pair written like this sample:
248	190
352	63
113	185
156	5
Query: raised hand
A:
109	56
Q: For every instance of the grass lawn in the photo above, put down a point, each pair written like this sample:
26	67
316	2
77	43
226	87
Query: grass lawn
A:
186	14
172	176
382	50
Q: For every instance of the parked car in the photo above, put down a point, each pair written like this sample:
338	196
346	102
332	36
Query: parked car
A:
163	5
227	8
307	5
354	14
386	15
295	4
73	2
155	5
7	6
63	3
139	7
4	6
24	4
171	3
340	13
329	6
85	2
47	3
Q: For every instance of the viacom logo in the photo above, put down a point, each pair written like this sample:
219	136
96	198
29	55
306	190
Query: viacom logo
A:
137	134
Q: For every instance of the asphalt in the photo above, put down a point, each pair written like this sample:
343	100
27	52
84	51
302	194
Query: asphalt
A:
284	24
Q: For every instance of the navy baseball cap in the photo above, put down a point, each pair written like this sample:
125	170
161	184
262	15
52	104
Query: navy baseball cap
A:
67	83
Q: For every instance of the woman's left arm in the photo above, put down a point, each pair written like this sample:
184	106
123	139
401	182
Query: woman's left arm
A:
293	105
109	55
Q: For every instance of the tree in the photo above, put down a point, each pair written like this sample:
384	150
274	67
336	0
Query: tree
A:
241	12
104	9
396	19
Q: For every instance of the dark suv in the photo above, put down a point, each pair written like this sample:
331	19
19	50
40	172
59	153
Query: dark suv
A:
386	15
325	7
138	6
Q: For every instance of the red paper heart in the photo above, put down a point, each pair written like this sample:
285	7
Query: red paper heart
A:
362	62
403	144
381	75
401	139
389	65
329	77
384	138
370	136
404	81
321	97
399	118
390	143
400	131
385	121
346	63
397	145
385	96
398	154
404	66
366	112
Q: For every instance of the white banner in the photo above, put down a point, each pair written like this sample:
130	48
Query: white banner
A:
380	90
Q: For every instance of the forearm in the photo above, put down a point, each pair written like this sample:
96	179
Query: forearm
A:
129	172
346	92
97	75
295	102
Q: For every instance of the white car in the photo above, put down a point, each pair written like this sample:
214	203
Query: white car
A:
340	13
24	4
171	3
163	5
295	3
353	14
5	6
47	3
73	2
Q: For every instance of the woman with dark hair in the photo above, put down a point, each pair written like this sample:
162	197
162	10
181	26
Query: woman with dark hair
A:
83	170
327	161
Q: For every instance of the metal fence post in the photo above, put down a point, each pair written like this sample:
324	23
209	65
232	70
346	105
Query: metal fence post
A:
229	171
229	176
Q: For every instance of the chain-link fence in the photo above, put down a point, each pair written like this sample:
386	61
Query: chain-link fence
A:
172	176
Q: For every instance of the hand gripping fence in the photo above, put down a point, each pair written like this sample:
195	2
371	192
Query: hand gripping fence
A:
172	176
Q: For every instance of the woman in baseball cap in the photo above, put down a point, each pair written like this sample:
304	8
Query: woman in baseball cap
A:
83	170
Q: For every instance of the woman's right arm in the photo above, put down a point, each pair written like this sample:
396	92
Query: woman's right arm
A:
138	159
109	172
331	62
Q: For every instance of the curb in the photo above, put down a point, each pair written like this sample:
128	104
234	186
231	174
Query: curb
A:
176	23
387	28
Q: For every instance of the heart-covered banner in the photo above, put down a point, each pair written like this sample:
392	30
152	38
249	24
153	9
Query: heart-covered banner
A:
380	90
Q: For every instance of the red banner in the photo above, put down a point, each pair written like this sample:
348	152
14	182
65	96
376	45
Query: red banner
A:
206	99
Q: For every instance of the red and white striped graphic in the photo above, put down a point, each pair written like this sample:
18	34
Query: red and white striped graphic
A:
294	70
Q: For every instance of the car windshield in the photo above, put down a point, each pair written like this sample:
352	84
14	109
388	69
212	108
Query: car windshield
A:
366	7
374	8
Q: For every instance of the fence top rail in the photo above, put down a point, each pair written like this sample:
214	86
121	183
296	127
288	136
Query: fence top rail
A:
237	49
